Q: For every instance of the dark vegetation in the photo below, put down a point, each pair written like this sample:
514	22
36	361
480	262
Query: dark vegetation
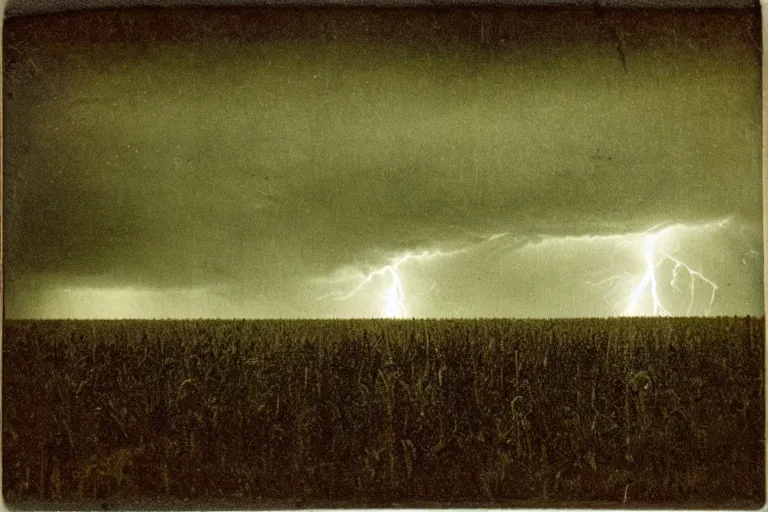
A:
366	413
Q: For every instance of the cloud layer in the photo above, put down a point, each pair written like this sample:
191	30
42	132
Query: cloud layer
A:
252	169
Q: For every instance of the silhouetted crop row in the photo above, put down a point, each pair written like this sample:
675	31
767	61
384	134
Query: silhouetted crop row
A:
377	412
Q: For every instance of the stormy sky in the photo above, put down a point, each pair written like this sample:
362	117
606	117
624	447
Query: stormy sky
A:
371	162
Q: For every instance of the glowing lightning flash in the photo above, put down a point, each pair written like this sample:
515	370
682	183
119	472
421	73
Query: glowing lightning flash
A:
649	282
394	300
649	278
395	304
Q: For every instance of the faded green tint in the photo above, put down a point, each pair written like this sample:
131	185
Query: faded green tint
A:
255	168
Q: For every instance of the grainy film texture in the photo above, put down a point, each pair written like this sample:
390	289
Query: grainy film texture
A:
297	256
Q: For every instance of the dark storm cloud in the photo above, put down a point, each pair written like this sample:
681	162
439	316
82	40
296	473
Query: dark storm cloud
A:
255	167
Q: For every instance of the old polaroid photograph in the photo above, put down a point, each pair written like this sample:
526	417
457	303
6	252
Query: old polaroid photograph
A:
324	256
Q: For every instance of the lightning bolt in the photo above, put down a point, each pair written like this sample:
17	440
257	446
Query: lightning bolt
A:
655	258
648	280
641	293
394	304
394	299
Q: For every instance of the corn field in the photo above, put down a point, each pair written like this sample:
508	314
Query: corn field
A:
385	413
